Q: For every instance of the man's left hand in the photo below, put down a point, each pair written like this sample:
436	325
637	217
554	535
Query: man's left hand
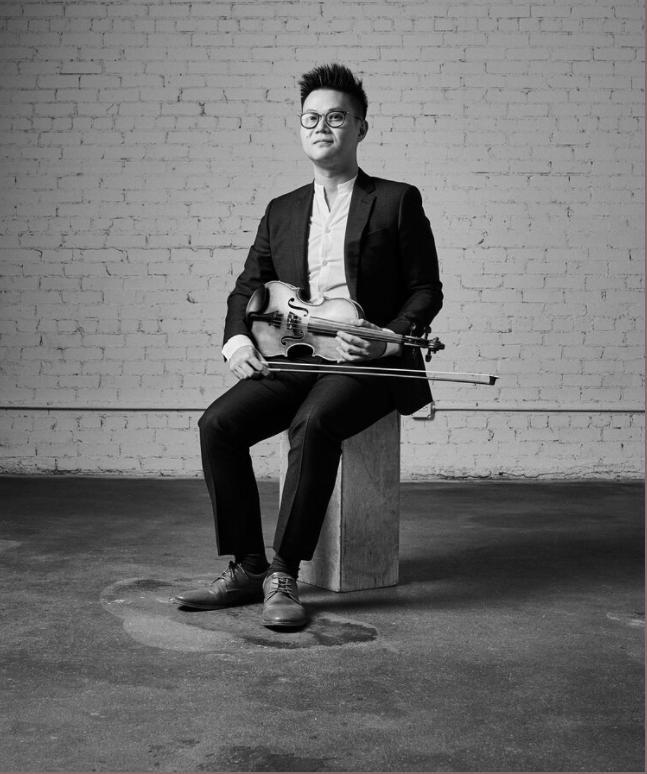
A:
354	349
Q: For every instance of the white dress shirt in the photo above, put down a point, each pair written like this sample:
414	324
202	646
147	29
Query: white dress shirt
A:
326	270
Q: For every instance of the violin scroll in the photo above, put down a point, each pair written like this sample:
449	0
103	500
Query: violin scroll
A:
423	342
433	345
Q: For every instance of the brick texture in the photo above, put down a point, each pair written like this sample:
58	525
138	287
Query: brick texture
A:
142	140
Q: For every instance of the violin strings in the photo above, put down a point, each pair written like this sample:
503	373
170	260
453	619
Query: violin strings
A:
331	328
326	325
323	326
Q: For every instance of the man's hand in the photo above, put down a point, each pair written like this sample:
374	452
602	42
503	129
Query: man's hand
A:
248	363
354	349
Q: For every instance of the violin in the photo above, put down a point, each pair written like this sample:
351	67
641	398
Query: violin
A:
280	319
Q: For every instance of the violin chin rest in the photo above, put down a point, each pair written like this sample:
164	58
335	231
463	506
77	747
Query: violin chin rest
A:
257	302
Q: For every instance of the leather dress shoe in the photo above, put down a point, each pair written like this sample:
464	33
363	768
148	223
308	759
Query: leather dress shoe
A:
282	608
233	587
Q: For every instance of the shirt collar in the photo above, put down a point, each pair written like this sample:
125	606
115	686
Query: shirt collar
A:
342	188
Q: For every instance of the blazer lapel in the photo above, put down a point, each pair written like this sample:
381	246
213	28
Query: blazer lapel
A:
361	204
300	226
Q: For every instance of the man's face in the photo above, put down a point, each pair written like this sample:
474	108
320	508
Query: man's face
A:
328	147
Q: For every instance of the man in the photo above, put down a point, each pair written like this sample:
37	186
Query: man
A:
345	236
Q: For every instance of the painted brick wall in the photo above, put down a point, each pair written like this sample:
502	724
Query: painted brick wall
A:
142	140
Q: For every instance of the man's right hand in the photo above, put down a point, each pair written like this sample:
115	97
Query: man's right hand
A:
248	363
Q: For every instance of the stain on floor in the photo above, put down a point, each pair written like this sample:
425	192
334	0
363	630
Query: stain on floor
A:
151	618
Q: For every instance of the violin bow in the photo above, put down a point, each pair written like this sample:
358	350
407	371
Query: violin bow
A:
402	373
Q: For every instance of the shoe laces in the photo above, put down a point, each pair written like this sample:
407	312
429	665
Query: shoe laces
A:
282	586
227	574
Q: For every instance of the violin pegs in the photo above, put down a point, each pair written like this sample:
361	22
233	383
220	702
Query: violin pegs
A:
432	346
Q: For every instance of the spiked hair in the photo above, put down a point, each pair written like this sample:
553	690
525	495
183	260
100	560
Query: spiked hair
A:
336	77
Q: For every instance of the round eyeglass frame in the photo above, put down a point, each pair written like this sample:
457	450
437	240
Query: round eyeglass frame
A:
325	116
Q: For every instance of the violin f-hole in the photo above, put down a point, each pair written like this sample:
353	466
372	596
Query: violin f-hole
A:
293	305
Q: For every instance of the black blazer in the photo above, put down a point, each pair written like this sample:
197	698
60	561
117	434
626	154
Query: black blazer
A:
390	258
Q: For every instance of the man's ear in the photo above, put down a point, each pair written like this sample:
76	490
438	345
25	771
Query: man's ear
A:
363	131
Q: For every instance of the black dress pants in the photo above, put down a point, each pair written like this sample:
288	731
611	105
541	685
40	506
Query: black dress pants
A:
320	411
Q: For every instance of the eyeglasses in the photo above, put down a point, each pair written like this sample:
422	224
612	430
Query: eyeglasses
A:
334	119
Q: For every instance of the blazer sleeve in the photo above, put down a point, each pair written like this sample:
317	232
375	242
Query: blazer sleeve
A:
259	269
420	285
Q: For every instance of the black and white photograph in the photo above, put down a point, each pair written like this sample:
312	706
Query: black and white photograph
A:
322	386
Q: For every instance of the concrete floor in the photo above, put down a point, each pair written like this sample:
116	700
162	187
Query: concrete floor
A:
514	641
